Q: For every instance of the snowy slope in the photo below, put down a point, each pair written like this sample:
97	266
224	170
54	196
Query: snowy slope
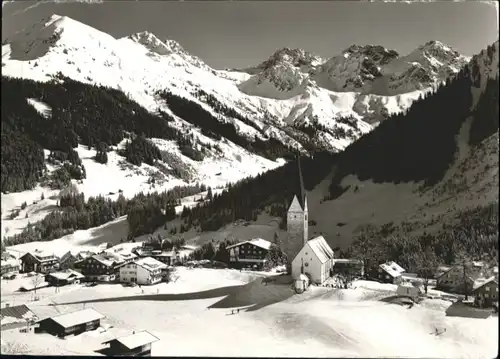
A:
274	95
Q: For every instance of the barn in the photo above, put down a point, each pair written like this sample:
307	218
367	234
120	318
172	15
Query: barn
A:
71	323
135	344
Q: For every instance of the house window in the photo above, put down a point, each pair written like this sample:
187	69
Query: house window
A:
487	289
386	276
486	295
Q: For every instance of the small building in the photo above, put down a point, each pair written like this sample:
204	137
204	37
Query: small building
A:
61	278
9	266
135	344
356	265
71	323
390	272
67	261
249	254
15	315
486	293
315	259
143	271
39	262
408	290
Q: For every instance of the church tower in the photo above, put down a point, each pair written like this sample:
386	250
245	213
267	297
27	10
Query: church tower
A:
297	222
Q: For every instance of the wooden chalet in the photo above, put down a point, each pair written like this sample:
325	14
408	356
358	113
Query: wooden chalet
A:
67	261
135	344
460	281
99	267
39	262
486	293
71	323
62	278
249	254
390	272
9	266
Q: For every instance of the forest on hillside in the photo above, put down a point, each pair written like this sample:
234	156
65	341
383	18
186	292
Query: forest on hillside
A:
472	235
217	127
95	116
145	213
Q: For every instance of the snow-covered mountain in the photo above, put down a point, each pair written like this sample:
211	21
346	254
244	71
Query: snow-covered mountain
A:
289	90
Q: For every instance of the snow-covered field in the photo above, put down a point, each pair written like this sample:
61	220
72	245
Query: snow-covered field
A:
322	322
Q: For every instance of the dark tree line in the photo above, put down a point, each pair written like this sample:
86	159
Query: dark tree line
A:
80	113
418	145
216	128
222	109
247	198
473	234
140	150
146	212
485	117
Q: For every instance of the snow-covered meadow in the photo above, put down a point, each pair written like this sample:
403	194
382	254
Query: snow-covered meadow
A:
192	317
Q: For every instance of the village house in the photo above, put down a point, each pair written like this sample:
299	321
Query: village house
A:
12	316
249	254
135	344
486	293
65	277
100	267
9	266
315	260
166	257
71	323
143	271
459	280
67	261
390	272
39	262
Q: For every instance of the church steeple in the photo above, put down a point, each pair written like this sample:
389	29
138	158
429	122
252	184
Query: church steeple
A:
297	220
302	191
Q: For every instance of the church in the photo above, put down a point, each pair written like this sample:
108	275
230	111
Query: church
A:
310	257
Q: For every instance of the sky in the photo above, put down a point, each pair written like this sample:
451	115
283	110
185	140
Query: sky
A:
234	34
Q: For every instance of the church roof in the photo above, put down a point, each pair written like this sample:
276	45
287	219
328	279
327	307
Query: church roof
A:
321	249
295	206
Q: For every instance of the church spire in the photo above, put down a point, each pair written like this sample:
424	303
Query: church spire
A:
302	192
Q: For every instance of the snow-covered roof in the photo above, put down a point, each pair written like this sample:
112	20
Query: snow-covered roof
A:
392	268
10	262
258	242
42	256
106	260
150	264
67	274
76	318
18	311
135	340
483	281
322	250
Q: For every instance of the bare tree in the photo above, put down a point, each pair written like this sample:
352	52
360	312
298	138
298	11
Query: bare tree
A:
462	260
36	280
426	265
